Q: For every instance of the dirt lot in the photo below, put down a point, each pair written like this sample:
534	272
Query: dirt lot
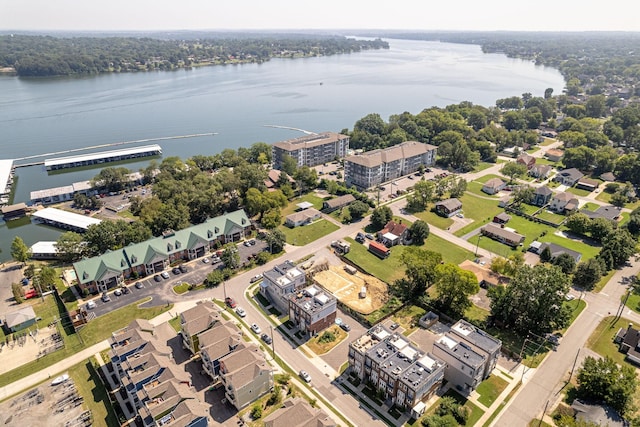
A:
46	405
346	287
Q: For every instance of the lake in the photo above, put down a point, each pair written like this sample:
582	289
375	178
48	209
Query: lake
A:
238	101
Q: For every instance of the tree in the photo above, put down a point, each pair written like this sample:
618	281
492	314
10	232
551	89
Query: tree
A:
578	223
605	381
276	240
545	255
419	231
566	263
289	165
513	169
358	209
271	218
230	256
112	179
617	247
453	287
214	278
457	187
600	228
307	178
19	250
533	301
380	217
423	194
420	273
587	274
47	277
18	292
522	194
70	247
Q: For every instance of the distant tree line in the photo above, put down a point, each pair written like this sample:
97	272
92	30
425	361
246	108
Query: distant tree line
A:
41	56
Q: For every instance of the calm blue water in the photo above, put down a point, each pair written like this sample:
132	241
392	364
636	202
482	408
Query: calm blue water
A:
41	116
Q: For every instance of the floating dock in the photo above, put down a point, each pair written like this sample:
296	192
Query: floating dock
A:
6	179
102	157
65	220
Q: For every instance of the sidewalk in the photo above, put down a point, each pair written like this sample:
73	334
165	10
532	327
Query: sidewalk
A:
499	402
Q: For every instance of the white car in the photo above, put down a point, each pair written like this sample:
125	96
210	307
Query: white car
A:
255	328
90	305
240	312
165	275
205	260
305	376
117	292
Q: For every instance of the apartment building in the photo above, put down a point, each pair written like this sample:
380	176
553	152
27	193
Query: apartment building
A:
312	309
296	412
372	168
222	339
196	320
405	374
480	341
171	403
246	376
280	282
465	367
311	150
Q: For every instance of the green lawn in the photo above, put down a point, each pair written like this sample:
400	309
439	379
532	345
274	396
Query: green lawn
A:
175	323
490	389
576	306
482	166
479	210
578	191
474	411
93	333
545	161
408	318
309	197
551	217
547	141
450	252
485	178
475	313
181	288
601	340
603	281
476	188
96	397
434	219
633	302
585	249
303	235
528	209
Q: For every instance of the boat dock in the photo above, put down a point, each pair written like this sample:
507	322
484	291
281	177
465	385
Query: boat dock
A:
65	220
102	157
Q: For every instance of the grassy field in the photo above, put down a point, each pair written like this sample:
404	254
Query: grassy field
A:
603	281
181	288
578	191
479	210
482	166
490	389
475	313
450	252
408	318
316	345
93	333
303	235
634	302
484	179
309	197
601	340
434	219
585	249
551	217
476	188
96	397
576	307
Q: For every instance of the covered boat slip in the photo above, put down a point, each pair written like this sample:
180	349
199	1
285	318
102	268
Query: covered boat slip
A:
102	157
65	220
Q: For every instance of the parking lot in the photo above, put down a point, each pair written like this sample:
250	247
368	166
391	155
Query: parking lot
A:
389	190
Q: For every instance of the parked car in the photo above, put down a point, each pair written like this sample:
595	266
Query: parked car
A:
266	338
394	326
90	305
369	236
240	312
157	278
176	271
164	275
305	376
230	302
569	297
215	259
256	278
246	243
105	297
125	290
345	327
139	285
117	292
255	328
205	260
183	268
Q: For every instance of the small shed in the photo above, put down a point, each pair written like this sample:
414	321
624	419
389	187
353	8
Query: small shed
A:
304	205
20	319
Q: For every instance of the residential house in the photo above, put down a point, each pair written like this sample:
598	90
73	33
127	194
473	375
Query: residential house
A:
393	233
311	150
504	201
280	282
608	212
196	320
404	373
303	217
297	412
542	196
273	179
449	207
312	309
337	202
556	250
465	367
223	338
568	177
564	202
608	176
245	375
502	235
100	273
629	343
493	186
379	250
480	341
587	184
371	168
486	277
526	159
540	171
554	154
502	218
20	319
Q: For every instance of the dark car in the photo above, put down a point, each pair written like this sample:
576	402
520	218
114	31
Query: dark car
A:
176	271
157	278
266	338
183	268
230	302
345	327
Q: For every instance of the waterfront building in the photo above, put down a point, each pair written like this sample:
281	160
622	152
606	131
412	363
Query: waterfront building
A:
311	150
374	167
102	157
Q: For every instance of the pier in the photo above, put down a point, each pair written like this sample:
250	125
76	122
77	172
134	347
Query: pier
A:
307	132
65	220
102	157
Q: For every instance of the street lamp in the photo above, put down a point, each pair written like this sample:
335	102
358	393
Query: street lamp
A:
478	243
273	343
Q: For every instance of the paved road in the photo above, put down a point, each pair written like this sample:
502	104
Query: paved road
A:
547	381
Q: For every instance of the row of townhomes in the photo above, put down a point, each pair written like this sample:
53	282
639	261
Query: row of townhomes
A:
239	366
311	150
147	383
374	167
408	375
152	256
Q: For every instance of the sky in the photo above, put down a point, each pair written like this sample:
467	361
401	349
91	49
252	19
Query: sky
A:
469	15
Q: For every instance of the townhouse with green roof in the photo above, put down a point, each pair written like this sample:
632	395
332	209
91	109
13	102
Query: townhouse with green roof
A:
109	270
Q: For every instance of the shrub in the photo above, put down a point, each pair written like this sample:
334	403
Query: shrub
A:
256	411
18	292
327	337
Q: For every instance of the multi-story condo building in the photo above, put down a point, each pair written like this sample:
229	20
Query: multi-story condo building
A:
196	320
246	376
311	150
403	372
312	309
171	403
296	412
480	341
280	282
223	338
374	167
465	367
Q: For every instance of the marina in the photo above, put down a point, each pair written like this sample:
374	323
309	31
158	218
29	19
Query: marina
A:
65	220
102	157
6	179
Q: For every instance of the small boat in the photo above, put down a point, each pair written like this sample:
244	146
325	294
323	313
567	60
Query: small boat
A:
60	379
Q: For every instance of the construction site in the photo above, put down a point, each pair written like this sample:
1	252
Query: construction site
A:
361	292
